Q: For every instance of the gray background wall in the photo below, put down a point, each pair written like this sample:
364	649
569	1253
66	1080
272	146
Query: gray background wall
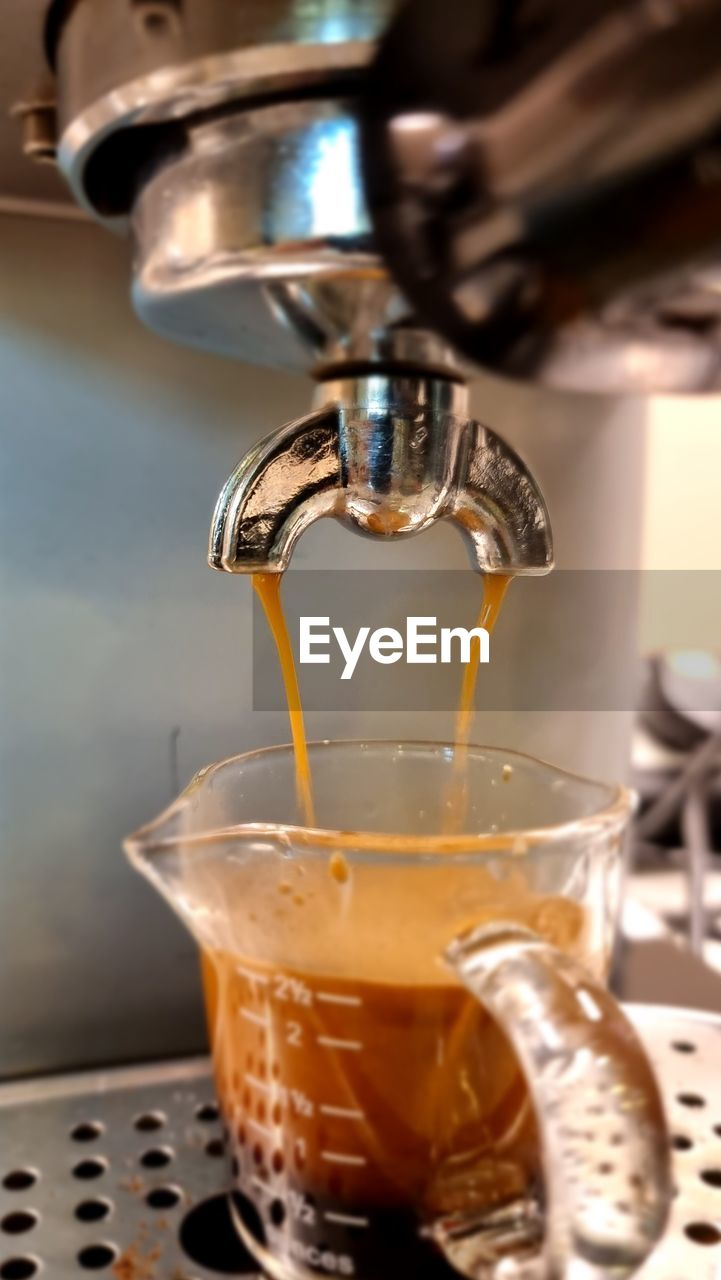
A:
113	632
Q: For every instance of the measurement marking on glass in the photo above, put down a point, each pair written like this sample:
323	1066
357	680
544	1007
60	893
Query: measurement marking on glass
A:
331	1042
341	1157
260	1128
293	990
346	1219
262	978
250	1016
256	1083
346	1113
329	997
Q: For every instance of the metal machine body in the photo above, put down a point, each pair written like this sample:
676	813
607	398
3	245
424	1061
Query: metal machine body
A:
226	139
388	456
540	180
281	179
238	173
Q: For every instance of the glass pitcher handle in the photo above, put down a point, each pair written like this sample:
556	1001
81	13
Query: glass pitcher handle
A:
604	1143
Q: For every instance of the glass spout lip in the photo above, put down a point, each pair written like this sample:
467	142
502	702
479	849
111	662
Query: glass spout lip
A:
616	803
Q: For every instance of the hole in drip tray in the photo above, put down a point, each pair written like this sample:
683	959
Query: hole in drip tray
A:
88	1169
149	1121
163	1198
680	1143
87	1132
156	1158
216	1147
94	1257
712	1177
18	1269
207	1113
19	1180
684	1046
15	1224
691	1100
703	1233
210	1239
93	1210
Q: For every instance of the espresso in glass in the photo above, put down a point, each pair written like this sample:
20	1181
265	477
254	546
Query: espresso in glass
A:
386	995
365	1099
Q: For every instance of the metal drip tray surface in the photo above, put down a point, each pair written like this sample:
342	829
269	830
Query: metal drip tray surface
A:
100	1172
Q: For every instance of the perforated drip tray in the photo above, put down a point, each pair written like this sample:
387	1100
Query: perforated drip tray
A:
122	1172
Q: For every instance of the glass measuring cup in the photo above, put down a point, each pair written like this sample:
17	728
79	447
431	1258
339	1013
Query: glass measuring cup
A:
419	1069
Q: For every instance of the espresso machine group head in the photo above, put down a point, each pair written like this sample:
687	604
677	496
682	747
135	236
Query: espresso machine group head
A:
388	454
364	190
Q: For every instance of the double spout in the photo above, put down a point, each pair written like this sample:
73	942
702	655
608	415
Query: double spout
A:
388	455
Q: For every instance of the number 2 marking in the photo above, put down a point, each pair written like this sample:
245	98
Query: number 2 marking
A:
294	1034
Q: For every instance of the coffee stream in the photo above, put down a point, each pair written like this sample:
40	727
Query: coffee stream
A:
495	587
494	592
267	586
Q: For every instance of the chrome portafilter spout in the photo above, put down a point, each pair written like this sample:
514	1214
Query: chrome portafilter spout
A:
388	454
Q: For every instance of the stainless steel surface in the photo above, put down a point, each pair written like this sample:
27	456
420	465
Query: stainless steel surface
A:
37	1117
249	225
118	68
685	1048
253	240
224	77
389	456
117	1117
349	23
628	90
